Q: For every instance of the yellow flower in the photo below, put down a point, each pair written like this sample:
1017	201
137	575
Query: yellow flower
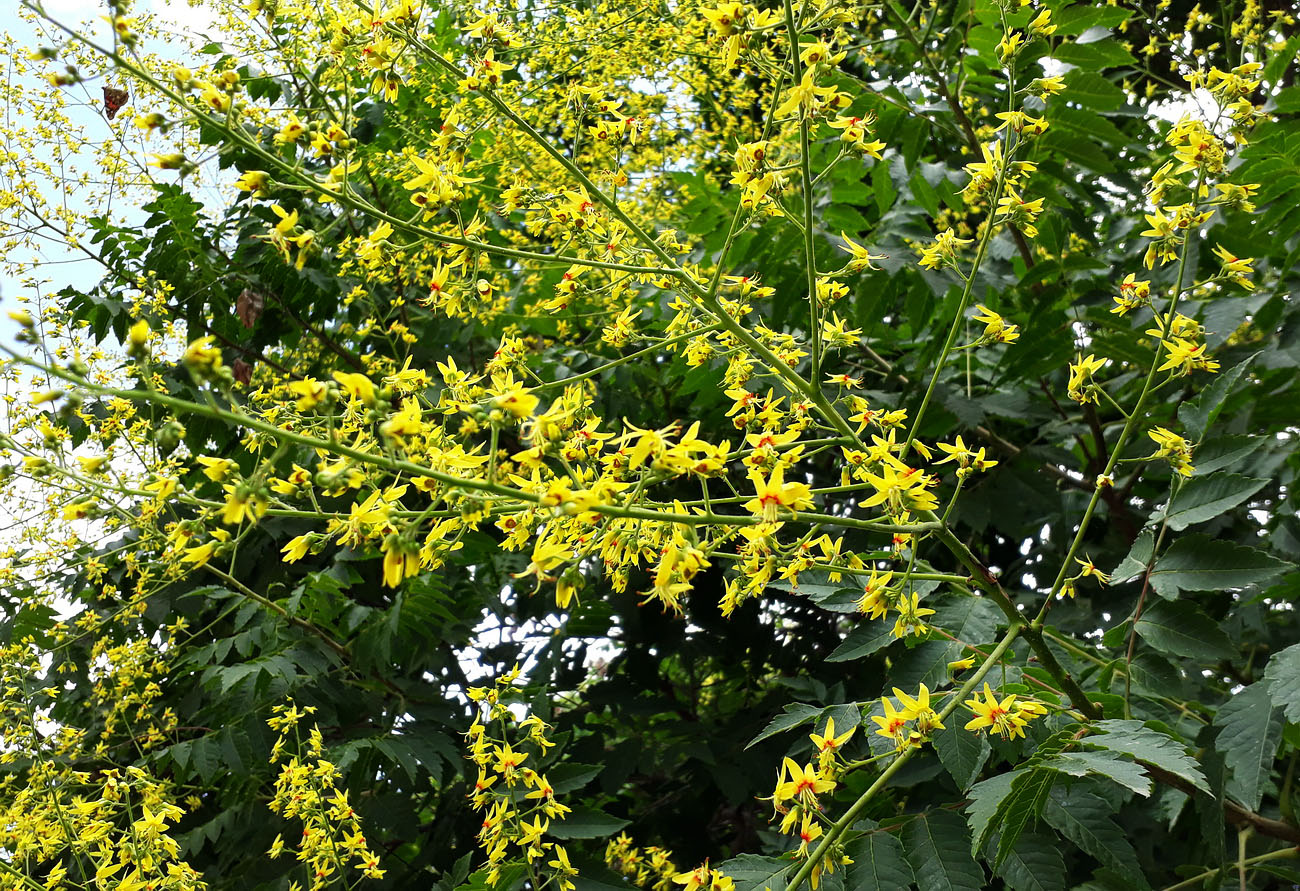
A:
258	182
827	741
775	493
805	783
357	386
900	488
200	554
310	393
401	559
216	469
893	725
918	710
297	548
996	328
1080	387
203	357
243	503
999	717
517	401
861	258
1184	356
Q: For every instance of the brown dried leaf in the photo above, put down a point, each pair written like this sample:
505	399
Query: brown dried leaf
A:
249	307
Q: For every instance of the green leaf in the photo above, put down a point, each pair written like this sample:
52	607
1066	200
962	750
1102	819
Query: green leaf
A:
1225	451
1034	863
1023	806
796	713
751	872
924	193
1250	728
938	847
878	864
1103	764
1156	676
1198	414
1288	100
512	876
1094	56
1205	497
1007	803
1181	629
1080	17
1149	745
1084	818
1283	679
1093	90
862	641
986	799
1139	555
571	776
962	753
1200	563
969	619
1078	149
587	823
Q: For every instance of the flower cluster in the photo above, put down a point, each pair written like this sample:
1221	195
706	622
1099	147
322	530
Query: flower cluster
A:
911	723
1007	717
62	818
515	798
651	867
332	845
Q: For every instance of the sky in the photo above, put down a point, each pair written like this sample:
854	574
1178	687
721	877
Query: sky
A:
69	268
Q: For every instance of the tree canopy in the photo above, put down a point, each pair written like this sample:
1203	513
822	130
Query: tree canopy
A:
694	444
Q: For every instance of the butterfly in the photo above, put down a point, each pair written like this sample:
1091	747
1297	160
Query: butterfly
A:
114	99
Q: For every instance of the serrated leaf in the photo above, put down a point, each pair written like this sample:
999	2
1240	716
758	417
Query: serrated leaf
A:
1282	676
938	848
1146	744
1094	56
1181	629
1135	563
1104	764
986	799
751	872
971	620
1205	497
878	864
862	641
1007	803
962	753
1200	563
1225	451
1034	863
571	776
1155	675
1084	819
1082	16
1250	728
1021	807
795	713
1093	90
587	823
1198	414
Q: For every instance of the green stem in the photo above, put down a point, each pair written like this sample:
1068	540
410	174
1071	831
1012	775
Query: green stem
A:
1129	425
1195	880
850	815
1032	633
805	172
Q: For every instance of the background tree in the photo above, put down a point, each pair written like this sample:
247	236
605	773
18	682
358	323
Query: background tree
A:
710	371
